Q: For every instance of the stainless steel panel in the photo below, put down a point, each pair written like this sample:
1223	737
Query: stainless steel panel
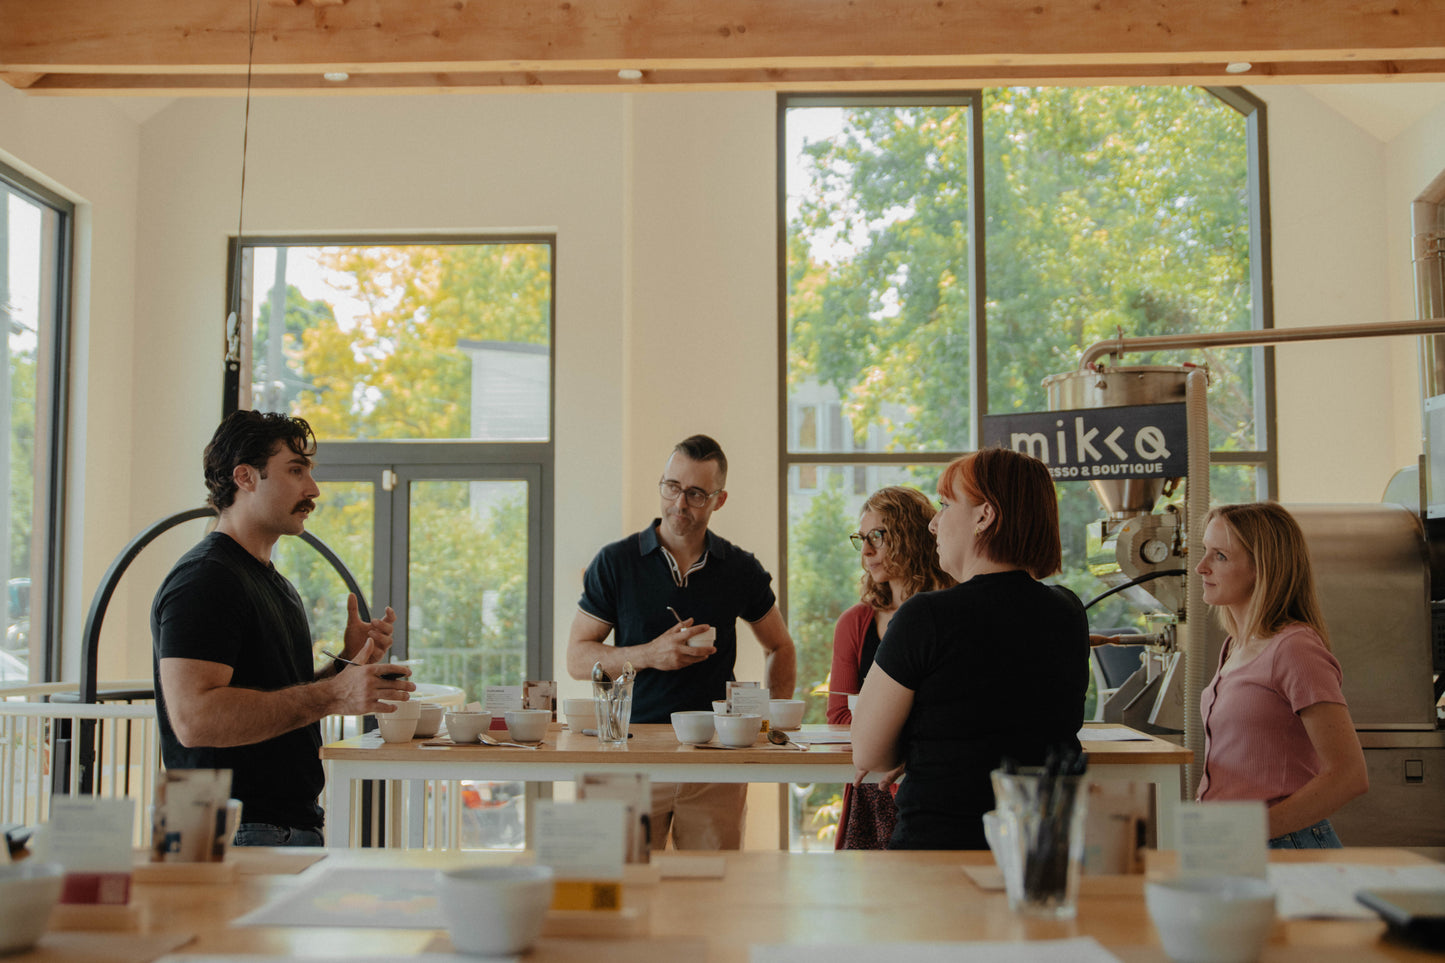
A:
1398	811
1373	575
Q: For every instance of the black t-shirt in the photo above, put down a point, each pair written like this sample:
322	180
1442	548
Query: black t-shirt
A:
999	666
220	604
629	585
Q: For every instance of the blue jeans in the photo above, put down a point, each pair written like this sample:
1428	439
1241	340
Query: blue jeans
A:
1319	836
270	834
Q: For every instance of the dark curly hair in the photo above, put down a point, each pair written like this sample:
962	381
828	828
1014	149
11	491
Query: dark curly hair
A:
250	438
909	547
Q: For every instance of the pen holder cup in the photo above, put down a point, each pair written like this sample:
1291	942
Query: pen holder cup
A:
1040	836
614	712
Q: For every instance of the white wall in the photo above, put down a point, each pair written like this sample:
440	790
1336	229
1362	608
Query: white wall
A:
664	206
88	151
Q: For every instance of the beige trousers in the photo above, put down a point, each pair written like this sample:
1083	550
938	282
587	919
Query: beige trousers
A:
698	815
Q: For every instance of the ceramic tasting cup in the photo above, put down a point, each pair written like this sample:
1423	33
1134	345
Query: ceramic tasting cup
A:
581	714
786	713
402	709
693	727
28	892
1211	919
494	910
394	729
429	720
467	726
736	730
720	706
528	725
708	637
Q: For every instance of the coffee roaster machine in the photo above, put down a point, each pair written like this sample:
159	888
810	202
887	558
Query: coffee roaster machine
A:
1380	568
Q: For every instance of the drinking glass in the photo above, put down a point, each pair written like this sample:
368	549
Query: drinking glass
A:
1042	821
614	712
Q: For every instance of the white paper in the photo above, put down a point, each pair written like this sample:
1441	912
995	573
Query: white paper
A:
500	698
1111	734
580	840
1083	949
824	737
371	897
1307	890
90	834
1222	838
747	699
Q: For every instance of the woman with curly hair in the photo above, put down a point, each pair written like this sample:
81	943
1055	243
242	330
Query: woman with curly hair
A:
900	559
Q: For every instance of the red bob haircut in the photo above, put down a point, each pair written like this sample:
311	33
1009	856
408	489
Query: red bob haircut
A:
1018	486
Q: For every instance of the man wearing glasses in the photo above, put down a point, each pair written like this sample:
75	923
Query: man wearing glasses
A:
660	590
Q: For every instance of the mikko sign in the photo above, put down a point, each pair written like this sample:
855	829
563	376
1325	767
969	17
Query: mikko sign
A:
1135	441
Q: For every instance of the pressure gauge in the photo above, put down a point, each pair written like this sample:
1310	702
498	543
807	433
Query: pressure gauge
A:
1154	551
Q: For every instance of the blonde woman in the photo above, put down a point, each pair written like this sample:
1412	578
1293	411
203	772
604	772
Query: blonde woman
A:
1276	724
900	559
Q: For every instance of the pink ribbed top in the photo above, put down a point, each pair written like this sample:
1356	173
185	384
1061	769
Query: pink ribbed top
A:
1255	746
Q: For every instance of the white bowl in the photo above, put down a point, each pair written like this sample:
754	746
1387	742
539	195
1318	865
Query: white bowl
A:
704	638
528	725
429	720
495	910
393	729
28	892
737	730
693	727
467	726
786	713
581	714
1211	919
402	709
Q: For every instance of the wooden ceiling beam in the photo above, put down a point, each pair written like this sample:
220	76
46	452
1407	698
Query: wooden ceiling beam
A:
202	44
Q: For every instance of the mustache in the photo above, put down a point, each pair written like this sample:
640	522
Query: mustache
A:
305	504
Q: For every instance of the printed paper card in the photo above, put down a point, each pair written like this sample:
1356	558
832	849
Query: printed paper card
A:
634	789
499	699
189	817
1222	838
750	697
91	838
583	843
540	695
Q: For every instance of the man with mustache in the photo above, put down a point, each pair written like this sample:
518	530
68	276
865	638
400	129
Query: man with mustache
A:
634	587
235	687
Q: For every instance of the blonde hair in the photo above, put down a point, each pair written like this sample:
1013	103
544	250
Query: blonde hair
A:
908	546
1284	583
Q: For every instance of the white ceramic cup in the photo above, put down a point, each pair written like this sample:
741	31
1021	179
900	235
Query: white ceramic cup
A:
737	730
467	726
708	637
693	727
720	705
581	714
495	910
853	702
395	729
1211	919
28	892
786	713
401	709
429	720
528	725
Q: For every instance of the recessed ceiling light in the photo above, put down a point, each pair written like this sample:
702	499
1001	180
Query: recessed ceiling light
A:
336	76
1239	67
629	73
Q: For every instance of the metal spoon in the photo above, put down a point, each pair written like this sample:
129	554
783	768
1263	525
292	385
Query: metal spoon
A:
780	738
487	740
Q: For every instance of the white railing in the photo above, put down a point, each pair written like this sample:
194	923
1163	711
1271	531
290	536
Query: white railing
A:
127	764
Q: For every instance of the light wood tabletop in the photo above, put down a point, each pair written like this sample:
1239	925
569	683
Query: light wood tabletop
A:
654	750
856	898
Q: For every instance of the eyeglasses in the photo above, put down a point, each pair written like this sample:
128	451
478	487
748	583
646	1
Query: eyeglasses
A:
696	497
874	538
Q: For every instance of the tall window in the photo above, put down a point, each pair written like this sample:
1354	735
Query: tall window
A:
34	286
425	368
945	254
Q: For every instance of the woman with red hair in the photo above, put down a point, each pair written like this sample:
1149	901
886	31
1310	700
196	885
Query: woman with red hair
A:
996	667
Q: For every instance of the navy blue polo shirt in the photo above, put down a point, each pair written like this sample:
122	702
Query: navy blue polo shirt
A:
630	584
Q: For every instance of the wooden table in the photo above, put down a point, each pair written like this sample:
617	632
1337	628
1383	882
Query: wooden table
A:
762	898
654	750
